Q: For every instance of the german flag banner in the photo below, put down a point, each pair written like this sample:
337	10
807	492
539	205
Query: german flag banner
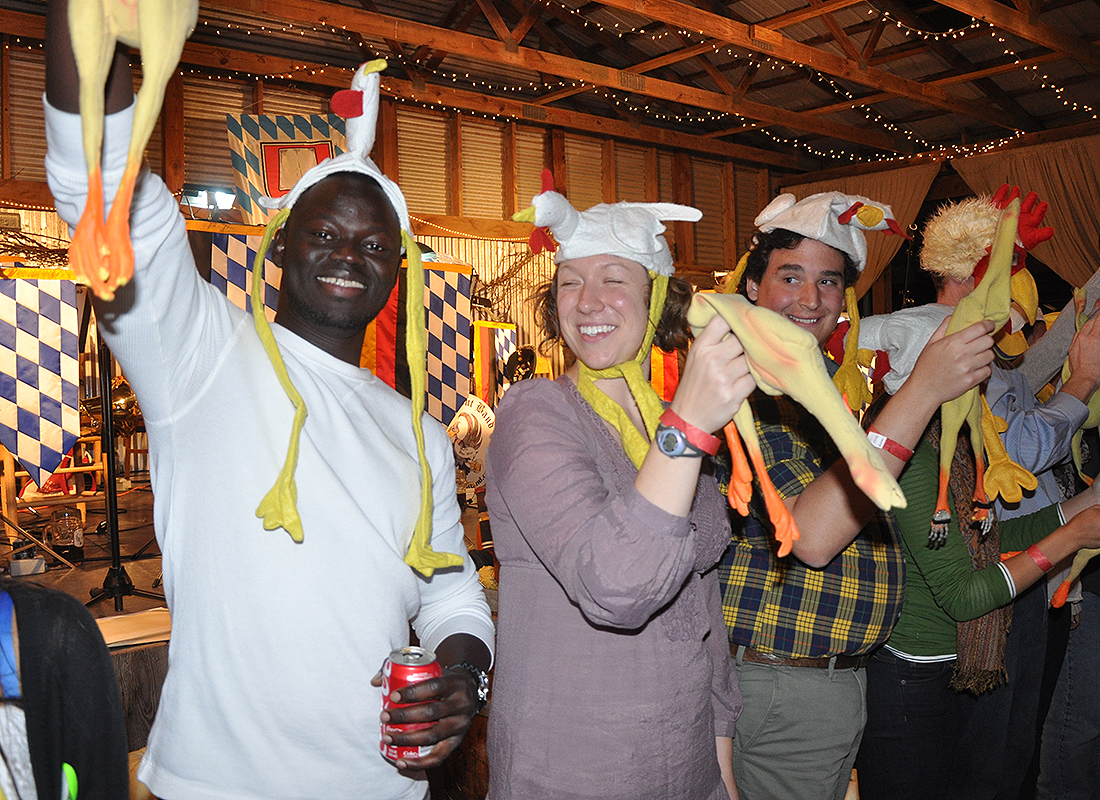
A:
664	373
493	343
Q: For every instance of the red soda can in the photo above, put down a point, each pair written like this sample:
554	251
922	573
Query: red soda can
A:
404	667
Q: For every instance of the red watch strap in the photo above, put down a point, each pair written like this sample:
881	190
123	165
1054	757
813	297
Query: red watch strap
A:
883	442
697	437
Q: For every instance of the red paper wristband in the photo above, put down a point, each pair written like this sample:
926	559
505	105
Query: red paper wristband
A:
696	436
1041	561
883	442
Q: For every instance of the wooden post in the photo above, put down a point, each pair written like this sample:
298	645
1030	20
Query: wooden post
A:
730	245
557	161
171	117
5	107
607	158
683	192
454	164
385	140
509	186
652	178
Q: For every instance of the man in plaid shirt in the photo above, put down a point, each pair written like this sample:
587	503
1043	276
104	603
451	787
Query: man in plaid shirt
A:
800	627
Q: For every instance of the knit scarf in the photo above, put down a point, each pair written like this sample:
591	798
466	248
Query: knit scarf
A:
980	664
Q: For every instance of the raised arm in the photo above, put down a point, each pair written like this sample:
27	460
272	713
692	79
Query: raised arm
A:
831	511
62	81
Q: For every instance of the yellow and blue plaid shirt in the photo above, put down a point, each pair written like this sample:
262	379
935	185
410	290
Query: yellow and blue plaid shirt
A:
781	606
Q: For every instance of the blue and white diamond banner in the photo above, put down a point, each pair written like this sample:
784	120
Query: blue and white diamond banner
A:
231	258
39	370
504	344
447	296
270	153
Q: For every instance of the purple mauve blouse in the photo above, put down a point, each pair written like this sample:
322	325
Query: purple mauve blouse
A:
612	674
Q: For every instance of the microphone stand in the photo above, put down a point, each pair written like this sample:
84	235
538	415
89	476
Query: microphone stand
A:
117	583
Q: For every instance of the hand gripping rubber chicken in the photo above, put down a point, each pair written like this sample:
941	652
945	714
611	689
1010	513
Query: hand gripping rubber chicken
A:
101	253
990	300
1083	556
786	359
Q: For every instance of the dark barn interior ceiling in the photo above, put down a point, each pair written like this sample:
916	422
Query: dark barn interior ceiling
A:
794	86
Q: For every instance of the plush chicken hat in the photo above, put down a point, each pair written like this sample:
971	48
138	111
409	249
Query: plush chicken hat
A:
359	106
957	242
627	230
838	220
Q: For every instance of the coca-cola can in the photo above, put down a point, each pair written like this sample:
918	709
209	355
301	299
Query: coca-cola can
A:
404	667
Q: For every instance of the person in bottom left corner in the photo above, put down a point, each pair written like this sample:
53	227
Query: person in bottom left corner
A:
62	729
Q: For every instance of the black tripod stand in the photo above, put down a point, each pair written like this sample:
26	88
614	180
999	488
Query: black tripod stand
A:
117	583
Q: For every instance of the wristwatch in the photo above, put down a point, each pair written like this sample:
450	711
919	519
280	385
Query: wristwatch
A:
676	437
674	443
482	678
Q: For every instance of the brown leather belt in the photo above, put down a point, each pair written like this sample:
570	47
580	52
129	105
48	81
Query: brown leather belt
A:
823	662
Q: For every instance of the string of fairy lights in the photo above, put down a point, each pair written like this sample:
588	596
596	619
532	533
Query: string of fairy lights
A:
529	90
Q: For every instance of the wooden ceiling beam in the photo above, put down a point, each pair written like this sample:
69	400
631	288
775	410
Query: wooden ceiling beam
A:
367	23
840	36
873	38
1018	24
954	58
495	22
810	12
587	123
673	57
528	20
761	39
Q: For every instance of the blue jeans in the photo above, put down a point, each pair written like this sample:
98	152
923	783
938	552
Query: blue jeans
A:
912	726
1070	759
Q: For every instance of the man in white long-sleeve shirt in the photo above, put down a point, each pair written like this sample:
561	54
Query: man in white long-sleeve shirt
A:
274	645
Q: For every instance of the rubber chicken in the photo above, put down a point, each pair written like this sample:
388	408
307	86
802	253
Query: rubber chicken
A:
786	359
101	254
990	300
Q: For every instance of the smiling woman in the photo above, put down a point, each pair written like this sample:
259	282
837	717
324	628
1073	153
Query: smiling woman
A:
613	679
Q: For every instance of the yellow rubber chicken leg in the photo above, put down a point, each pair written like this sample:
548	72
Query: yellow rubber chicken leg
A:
1004	478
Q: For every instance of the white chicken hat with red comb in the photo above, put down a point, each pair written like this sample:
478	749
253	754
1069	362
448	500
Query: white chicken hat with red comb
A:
834	218
359	106
627	230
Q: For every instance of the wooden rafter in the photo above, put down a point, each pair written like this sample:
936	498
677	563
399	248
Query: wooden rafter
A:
477	47
220	58
760	39
495	21
1019	24
807	13
600	126
840	36
945	50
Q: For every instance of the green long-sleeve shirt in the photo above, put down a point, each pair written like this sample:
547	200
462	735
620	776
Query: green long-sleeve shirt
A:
941	587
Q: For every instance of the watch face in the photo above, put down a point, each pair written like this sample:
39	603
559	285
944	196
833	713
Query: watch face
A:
670	441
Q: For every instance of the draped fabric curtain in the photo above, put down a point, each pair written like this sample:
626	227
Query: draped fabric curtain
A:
902	189
1067	176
